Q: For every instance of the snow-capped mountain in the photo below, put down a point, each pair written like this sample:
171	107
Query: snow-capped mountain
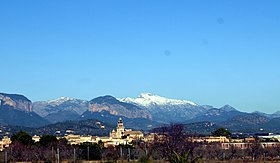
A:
165	109
61	100
62	108
149	99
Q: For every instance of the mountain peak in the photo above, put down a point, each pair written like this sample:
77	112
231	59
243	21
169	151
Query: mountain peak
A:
105	99
147	99
15	96
60	100
227	108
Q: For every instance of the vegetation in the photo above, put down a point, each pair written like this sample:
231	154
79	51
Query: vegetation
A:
221	132
174	139
144	159
23	148
48	140
23	138
184	158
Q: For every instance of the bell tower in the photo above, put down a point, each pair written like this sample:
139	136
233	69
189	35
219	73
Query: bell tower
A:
120	129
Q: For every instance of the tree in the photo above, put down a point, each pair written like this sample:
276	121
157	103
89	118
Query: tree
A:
18	152
173	138
23	138
255	150
221	132
48	140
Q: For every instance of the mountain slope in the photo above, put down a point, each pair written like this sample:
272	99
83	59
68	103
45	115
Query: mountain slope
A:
218	115
62	115
17	110
21	118
276	114
166	110
15	101
85	127
249	122
272	125
61	109
106	116
117	108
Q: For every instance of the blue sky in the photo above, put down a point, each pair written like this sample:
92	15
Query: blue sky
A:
211	52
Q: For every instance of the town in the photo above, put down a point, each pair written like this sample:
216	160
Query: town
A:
161	145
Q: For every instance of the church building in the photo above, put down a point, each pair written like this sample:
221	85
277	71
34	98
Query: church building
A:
122	133
120	130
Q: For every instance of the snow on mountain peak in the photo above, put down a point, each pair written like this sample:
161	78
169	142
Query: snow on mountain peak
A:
147	99
60	100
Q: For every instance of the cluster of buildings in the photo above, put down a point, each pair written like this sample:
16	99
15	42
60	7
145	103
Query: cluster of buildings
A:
265	141
116	137
270	140
120	135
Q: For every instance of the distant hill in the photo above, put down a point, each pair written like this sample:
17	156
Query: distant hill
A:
201	128
105	116
245	123
236	122
217	115
85	127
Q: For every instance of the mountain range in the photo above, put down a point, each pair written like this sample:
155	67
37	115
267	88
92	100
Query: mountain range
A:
144	112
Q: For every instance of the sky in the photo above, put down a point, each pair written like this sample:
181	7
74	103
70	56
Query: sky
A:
210	52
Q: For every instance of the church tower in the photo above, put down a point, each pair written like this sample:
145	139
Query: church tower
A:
120	129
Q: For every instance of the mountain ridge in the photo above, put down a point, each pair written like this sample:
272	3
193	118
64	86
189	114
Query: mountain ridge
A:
155	110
